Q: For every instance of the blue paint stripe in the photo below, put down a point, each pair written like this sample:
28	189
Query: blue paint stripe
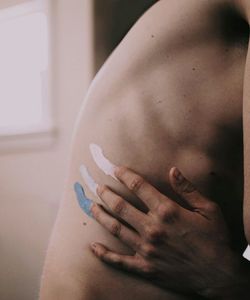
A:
83	201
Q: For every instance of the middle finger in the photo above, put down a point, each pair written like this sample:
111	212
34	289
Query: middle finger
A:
140	187
123	209
116	228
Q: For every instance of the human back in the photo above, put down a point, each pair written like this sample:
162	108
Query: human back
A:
170	94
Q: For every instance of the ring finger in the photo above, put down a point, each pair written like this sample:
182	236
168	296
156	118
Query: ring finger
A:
116	228
123	209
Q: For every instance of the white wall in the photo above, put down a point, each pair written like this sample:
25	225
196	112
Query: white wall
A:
31	181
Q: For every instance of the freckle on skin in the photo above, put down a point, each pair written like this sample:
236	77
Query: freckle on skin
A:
193	69
152	36
84	223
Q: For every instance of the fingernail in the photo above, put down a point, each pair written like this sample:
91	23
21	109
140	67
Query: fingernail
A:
178	176
93	248
116	171
99	190
93	245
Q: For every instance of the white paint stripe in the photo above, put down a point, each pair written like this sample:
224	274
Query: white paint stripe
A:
102	162
246	254
90	182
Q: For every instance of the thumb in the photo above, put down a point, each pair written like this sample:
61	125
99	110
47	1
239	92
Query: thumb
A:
186	189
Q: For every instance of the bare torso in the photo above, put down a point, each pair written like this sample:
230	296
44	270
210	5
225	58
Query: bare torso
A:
169	95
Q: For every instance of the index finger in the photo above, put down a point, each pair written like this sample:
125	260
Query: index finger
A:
140	187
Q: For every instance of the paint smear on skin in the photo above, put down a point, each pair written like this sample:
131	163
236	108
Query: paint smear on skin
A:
102	162
246	254
84	202
92	185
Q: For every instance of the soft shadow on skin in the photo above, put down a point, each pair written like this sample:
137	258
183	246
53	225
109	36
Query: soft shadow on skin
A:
227	189
233	28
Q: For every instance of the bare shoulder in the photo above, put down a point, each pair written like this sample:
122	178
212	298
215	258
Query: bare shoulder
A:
198	12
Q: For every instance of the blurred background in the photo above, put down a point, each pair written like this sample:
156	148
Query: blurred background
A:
49	52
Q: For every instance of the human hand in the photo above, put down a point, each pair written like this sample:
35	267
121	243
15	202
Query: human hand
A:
176	248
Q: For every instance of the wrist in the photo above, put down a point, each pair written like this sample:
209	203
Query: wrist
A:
231	282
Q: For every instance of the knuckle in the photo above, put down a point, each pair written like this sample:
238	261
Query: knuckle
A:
95	211
154	233
118	206
138	246
116	260
168	212
149	251
121	171
115	228
102	253
136	183
102	190
211	207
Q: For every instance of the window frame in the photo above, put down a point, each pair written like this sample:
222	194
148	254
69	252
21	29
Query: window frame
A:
45	132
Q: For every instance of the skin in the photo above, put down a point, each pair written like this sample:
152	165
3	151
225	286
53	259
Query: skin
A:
170	94
170	241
